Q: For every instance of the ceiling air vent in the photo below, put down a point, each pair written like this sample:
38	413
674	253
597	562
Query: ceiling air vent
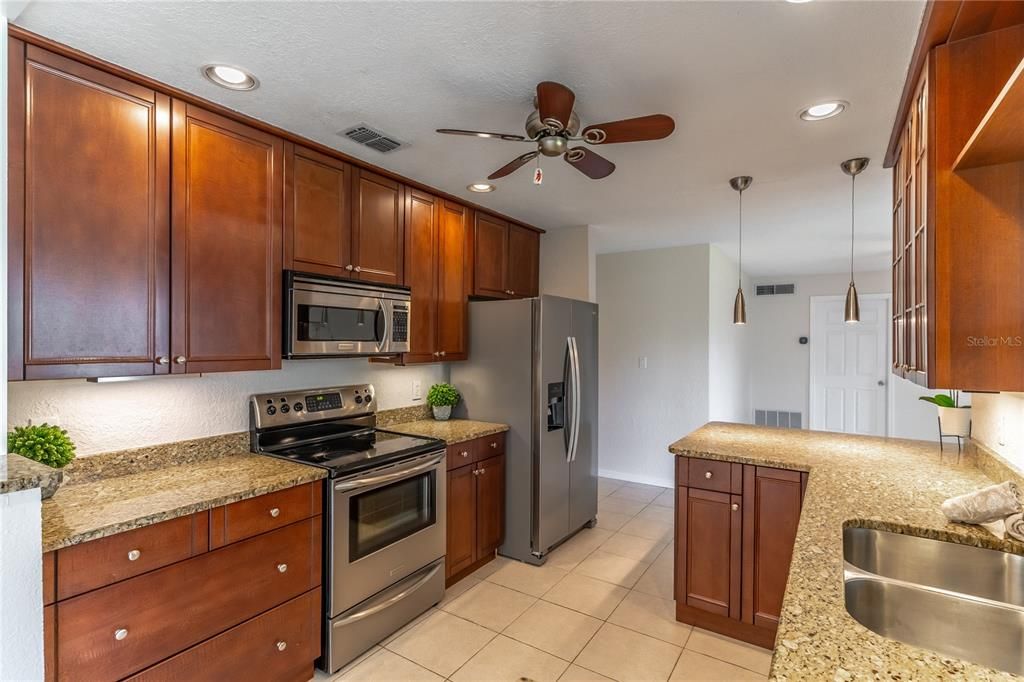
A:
374	139
775	289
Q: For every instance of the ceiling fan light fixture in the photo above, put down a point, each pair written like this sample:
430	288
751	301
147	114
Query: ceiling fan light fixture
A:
230	77
481	187
823	110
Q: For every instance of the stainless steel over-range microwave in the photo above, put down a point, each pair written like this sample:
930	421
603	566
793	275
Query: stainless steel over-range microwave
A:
325	317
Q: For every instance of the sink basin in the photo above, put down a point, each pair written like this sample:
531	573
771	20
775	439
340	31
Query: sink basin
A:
959	601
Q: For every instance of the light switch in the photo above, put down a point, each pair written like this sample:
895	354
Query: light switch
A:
642	362
417	389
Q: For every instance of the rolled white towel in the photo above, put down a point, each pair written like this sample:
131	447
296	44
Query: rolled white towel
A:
997	527
988	504
1015	526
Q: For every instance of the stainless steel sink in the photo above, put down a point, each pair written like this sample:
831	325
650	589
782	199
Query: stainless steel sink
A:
956	600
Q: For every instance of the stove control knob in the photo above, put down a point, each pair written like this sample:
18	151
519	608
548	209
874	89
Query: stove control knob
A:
271	410
359	400
285	409
297	407
368	398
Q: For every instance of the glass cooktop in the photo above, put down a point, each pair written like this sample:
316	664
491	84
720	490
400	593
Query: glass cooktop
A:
355	451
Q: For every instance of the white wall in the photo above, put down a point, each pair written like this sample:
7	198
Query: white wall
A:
654	304
567	263
728	354
116	416
998	422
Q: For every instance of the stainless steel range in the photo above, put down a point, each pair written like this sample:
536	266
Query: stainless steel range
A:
384	515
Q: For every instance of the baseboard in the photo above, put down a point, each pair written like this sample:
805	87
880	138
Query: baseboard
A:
637	478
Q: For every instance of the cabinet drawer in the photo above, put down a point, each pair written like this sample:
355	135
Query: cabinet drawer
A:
241	520
124	628
460	454
708	474
278	645
490	446
102	562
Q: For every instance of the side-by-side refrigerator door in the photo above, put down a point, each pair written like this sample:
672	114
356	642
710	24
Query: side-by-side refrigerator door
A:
551	463
583	468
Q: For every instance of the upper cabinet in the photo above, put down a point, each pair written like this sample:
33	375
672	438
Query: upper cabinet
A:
506	259
89	226
378	228
958	220
318	213
227	192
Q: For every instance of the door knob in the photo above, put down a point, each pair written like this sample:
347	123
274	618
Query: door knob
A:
881	383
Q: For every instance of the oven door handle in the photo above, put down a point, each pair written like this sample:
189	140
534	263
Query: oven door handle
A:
403	472
390	601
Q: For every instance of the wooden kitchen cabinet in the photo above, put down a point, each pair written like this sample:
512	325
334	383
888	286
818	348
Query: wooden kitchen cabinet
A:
734	540
506	259
476	506
378	228
453	272
89	225
318	213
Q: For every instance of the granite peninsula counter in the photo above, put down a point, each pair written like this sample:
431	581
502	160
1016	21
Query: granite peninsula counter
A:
881	483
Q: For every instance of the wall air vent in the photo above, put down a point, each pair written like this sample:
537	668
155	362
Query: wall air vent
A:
775	289
787	420
372	138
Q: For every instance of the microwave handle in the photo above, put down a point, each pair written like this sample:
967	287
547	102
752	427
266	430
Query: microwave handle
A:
385	310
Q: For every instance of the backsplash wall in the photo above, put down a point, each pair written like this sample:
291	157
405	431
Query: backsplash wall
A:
998	423
117	416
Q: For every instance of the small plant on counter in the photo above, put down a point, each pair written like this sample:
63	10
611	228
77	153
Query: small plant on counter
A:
442	398
42	443
943	400
954	420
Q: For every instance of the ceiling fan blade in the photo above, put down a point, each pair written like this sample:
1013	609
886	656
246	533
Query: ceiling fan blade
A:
591	164
513	165
653	127
478	133
554	103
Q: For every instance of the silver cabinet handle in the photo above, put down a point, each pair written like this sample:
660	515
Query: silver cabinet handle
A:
134	555
464	453
120	634
476	472
444	353
437	354
358	269
275	512
349	268
180	359
708	474
494	445
162	360
282	645
482	470
281	568
735	507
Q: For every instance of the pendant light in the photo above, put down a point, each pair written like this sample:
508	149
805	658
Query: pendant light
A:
853	167
739	306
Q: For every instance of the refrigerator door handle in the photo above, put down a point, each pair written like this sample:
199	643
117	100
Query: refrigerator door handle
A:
574	355
567	383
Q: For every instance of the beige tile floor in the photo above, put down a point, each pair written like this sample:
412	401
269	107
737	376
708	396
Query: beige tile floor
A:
600	608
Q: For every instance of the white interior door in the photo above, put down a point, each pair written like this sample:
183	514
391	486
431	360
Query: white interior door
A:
849	366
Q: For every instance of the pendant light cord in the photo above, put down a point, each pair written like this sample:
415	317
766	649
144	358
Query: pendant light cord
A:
853	217
739	279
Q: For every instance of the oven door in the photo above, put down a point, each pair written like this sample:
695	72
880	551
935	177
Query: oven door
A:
326	322
386	525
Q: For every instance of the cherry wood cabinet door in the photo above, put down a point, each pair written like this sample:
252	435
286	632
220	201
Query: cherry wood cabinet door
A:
708	551
421	250
461	549
378	228
318	213
89	232
490	505
523	261
771	511
490	277
227	213
453	272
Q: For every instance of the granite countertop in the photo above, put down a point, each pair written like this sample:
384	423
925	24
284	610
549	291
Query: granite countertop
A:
21	473
450	431
129	490
880	483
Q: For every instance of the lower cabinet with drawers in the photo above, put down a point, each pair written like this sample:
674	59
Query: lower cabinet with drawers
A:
229	593
735	529
476	504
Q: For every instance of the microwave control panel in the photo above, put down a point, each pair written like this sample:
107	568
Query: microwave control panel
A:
400	326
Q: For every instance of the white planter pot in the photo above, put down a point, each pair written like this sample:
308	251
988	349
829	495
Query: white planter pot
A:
442	413
955	421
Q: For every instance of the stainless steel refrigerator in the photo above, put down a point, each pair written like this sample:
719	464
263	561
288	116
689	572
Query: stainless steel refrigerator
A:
533	365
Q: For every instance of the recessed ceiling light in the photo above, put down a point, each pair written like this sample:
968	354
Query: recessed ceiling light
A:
797	2
480	187
818	112
230	77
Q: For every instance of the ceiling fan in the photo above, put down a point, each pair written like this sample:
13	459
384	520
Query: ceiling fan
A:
553	125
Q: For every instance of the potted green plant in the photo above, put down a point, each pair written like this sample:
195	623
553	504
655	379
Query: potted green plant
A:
953	419
46	444
442	398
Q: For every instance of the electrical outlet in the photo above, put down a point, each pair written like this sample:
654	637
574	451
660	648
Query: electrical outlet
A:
642	363
417	389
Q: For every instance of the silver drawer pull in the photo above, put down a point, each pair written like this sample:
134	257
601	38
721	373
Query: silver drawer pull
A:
464	453
494	445
281	568
120	634
134	555
707	474
281	646
275	512
735	507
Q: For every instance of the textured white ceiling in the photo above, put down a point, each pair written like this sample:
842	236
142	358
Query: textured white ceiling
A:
732	74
